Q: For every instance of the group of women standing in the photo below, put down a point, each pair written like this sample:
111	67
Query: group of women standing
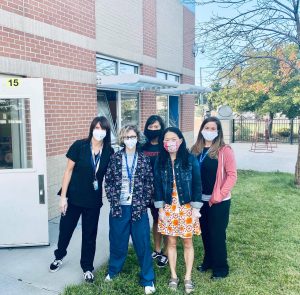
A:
187	192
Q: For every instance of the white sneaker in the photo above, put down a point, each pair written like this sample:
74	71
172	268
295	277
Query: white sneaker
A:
88	277
55	265
150	289
107	278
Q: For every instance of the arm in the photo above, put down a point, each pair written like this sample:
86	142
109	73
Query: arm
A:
231	173
158	189
109	178
148	183
63	204
196	185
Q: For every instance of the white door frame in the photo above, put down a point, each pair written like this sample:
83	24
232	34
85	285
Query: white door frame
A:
24	206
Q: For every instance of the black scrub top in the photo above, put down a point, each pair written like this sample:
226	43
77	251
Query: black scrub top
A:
81	191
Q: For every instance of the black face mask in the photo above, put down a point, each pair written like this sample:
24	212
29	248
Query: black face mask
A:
151	134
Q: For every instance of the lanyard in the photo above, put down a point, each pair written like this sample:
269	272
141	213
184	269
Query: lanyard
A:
95	160
130	171
202	157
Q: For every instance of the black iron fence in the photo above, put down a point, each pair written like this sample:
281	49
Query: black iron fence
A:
276	130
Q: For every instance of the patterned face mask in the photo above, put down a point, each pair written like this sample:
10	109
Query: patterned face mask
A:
171	146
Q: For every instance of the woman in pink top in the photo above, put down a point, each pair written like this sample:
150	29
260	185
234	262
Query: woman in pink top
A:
218	175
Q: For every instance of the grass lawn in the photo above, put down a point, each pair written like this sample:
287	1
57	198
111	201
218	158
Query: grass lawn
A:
263	246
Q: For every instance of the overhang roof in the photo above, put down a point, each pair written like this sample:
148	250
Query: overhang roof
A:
133	82
186	89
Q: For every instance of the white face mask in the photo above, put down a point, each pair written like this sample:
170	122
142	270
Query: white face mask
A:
130	143
209	135
99	134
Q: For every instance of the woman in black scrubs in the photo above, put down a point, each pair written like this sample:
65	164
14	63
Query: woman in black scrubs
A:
81	194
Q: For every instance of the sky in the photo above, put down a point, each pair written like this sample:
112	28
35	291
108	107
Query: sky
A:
203	13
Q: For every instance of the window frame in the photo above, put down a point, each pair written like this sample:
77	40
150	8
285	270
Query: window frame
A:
119	62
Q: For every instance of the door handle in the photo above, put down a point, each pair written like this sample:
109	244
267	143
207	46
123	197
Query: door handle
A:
41	190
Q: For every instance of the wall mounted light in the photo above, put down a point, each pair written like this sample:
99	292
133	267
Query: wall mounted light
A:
195	49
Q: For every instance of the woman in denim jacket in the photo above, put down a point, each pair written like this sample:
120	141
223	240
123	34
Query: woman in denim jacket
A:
129	188
178	197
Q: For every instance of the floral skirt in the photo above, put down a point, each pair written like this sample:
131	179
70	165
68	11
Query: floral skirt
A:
178	220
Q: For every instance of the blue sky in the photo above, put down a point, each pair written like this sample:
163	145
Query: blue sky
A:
203	13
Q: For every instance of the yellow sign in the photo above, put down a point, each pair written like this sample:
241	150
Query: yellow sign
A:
13	82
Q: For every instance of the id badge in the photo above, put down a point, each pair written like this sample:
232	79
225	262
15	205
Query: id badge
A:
95	185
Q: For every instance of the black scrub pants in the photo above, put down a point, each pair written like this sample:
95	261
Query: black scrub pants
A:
214	221
68	223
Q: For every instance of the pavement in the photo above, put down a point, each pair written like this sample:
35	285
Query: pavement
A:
283	158
25	270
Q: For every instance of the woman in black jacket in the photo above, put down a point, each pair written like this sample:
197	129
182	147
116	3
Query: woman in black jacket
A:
81	194
177	185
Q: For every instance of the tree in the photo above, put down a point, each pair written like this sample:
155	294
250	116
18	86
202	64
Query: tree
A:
257	30
257	26
261	86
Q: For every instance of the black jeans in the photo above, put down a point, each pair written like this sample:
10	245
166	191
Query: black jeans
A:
90	217
214	221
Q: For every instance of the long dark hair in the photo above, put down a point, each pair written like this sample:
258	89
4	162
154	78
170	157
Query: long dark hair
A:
104	125
217	143
182	153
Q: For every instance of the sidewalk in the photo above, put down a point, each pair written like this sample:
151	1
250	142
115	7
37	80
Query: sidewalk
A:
25	270
282	159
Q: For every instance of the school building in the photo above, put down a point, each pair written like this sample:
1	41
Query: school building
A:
124	59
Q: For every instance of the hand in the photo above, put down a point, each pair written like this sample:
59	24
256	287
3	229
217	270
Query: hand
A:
161	214
63	205
213	201
196	213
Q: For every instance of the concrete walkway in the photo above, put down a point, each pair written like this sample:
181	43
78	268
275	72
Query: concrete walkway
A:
283	158
25	270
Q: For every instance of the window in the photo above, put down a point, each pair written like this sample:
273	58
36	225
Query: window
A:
130	111
161	75
107	67
162	107
168	76
174	78
15	135
128	69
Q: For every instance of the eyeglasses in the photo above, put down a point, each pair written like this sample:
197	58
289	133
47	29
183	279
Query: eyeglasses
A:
130	137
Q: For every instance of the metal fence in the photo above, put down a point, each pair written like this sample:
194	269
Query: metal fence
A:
276	130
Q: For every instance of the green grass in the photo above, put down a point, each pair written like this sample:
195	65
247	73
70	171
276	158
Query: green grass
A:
263	246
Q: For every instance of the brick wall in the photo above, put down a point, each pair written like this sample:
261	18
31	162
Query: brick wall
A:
149	28
148	98
188	38
70	101
69	109
17	44
187	107
76	16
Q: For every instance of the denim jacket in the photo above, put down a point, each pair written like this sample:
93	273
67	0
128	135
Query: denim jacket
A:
142	187
188	183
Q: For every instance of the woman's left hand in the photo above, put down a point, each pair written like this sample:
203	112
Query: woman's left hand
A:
196	213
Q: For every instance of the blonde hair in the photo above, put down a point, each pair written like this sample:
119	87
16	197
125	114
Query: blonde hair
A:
217	143
123	133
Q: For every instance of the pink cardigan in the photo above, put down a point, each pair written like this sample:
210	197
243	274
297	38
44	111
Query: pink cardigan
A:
226	176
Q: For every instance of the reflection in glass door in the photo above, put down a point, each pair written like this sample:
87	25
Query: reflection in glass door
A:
130	110
15	134
174	111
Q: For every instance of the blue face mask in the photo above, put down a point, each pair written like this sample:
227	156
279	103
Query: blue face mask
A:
209	135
